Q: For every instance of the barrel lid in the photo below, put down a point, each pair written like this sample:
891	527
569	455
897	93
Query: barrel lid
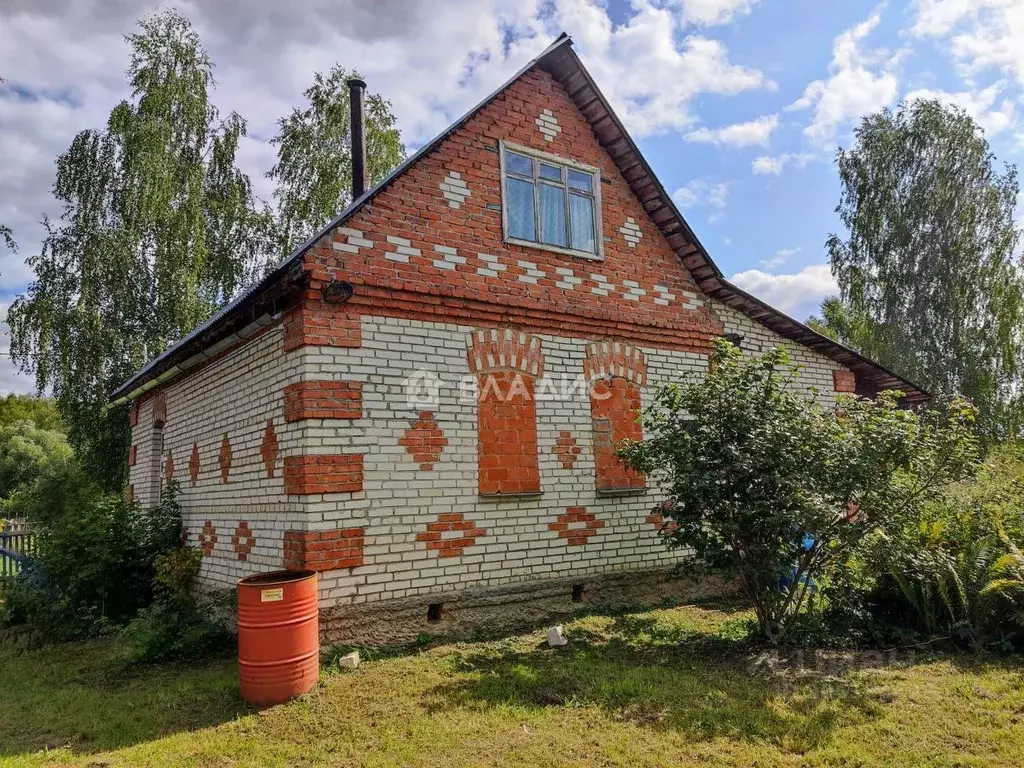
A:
275	577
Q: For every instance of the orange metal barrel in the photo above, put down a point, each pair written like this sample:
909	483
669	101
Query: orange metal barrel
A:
278	636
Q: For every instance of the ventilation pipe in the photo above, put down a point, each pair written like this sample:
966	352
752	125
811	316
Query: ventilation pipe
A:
356	89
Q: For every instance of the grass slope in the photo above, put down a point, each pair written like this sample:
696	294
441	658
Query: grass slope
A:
666	687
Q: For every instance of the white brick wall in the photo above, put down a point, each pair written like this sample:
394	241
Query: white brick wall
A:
399	500
238	393
815	369
234	395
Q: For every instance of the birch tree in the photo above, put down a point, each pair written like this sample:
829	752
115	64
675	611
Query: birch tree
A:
157	229
927	269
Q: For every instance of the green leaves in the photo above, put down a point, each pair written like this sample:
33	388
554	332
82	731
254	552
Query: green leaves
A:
158	230
927	271
766	484
314	158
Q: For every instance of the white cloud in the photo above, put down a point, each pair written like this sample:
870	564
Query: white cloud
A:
982	34
753	133
648	67
991	113
716	11
64	62
781	257
860	81
702	192
938	17
802	290
773	166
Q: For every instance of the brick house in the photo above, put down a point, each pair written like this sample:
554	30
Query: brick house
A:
398	404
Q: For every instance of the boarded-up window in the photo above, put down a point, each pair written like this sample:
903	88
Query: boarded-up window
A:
616	372
507	364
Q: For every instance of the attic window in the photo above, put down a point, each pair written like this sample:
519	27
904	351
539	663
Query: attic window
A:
550	202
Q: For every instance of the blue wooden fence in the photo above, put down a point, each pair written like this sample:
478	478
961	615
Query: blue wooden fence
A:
14	548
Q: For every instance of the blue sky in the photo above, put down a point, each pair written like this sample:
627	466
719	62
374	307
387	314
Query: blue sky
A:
738	105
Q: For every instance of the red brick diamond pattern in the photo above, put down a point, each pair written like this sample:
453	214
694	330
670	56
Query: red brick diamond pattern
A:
566	449
207	538
224	458
424	441
462	534
243	541
657	519
193	465
169	466
268	450
577	525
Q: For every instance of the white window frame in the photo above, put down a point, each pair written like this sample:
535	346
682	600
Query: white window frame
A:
566	163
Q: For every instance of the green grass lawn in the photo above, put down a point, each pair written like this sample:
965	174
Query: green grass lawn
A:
678	686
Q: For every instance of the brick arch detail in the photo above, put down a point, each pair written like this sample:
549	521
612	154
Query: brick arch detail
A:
507	364
615	358
495	349
616	371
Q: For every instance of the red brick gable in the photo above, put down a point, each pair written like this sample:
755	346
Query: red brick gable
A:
639	290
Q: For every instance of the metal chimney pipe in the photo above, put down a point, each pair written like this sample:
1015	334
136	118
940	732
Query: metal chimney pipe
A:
356	89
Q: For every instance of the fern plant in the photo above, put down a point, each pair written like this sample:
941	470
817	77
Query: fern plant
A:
1007	578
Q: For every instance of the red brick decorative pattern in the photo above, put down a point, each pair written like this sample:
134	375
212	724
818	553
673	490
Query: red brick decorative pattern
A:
658	521
133	414
506	362
464	534
132	455
193	465
323	400
207	538
315	323
323	550
568	526
614	407
169	466
507	441
566	450
331	473
529	292
612	358
424	441
268	448
243	540
844	381
160	409
496	349
657	518
224	458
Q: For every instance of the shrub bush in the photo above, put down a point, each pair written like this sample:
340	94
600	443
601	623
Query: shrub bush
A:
179	623
95	560
767	486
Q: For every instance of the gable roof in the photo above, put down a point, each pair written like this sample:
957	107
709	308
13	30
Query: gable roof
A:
255	307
